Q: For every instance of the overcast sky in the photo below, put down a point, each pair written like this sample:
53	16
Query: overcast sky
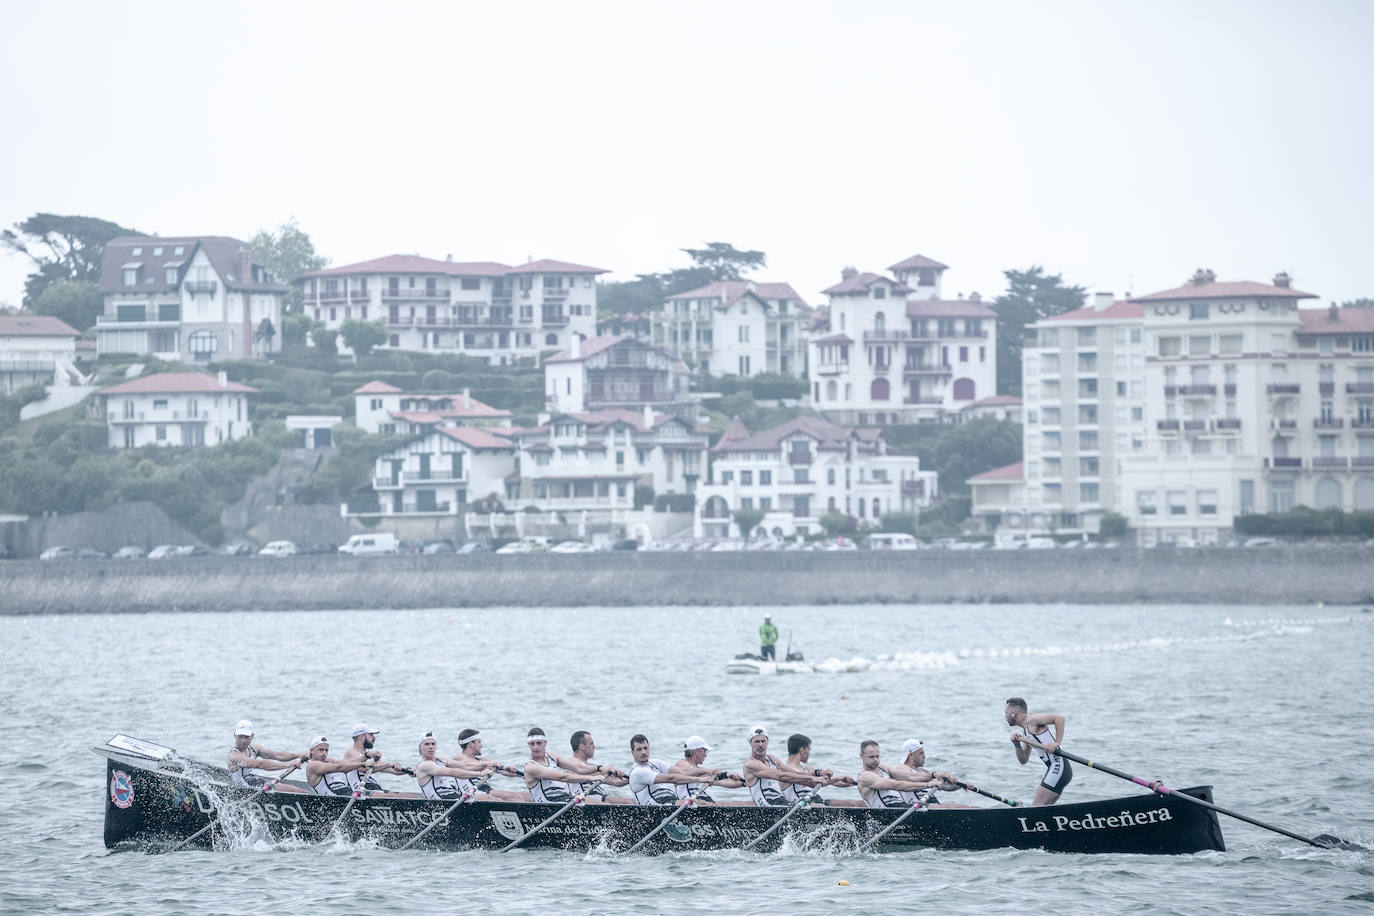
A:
1122	145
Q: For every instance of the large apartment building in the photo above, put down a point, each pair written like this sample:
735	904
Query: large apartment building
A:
192	298
894	351
483	309
735	327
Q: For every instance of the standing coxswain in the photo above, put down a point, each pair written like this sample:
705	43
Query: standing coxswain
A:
326	776
692	764
1042	732
370	761
799	761
439	779
545	776
250	762
878	787
765	778
470	740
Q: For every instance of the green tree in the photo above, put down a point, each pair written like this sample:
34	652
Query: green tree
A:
900	522
287	253
326	341
1113	525
726	262
77	302
361	336
294	328
748	520
717	261
1031	296
61	248
1361	303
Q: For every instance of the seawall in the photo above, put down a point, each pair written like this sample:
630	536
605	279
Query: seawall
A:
1342	574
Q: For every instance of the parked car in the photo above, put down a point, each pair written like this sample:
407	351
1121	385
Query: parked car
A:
238	549
190	550
474	547
627	544
60	552
162	552
1261	542
571	547
372	544
278	549
443	545
90	553
129	552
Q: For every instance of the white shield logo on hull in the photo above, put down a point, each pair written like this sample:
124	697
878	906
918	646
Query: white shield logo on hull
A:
507	823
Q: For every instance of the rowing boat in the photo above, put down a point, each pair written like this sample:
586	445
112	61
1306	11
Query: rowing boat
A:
157	799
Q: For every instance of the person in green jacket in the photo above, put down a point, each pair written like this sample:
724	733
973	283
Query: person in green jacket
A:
768	636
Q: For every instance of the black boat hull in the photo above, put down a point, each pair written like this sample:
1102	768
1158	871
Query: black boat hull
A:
154	806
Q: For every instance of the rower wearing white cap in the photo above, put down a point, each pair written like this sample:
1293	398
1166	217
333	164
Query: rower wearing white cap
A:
364	738
545	776
439	779
470	740
248	762
913	766
694	751
326	776
765	778
799	761
880	788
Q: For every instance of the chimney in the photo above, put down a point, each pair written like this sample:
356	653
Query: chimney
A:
1203	276
975	296
245	266
1282	280
575	350
1103	301
467	397
848	273
224	377
1333	314
449	257
648	417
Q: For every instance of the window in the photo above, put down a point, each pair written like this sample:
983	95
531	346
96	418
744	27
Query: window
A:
746	502
1199	344
1170	346
1087	413
1051	416
743	331
802	475
746	478
470	283
1231	344
1137	414
1087	440
880	292
1049	363
765	478
1049	337
1088	493
1053	492
1121	389
830	476
1087	467
170	276
620	460
1197	311
1145	503
131	275
1280	495
1050	441
1087	388
162	434
1087	362
1087	337
1178	502
727	476
744	365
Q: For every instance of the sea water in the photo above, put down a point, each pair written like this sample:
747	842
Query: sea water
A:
1270	706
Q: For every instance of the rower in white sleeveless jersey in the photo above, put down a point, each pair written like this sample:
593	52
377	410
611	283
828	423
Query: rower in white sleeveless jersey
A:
439	779
1041	732
326	776
370	761
249	762
878	787
799	761
584	748
693	761
545	776
470	740
913	766
765	778
651	779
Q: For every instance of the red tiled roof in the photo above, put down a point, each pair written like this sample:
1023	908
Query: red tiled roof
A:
917	261
226	256
35	326
734	430
947	308
418	417
1008	472
415	264
826	433
730	291
476	436
546	266
589	346
1348	321
1240	289
457	408
177	383
859	283
377	387
1117	311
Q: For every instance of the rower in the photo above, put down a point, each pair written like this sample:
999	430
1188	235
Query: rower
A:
878	787
470	740
693	757
913	766
1041	732
651	778
439	779
798	758
325	776
362	753
584	748
248	762
544	774
764	777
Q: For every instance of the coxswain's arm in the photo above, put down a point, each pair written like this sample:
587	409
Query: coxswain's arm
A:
1018	742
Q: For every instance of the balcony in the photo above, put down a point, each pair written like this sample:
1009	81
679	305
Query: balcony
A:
1330	461
1228	423
921	369
1284	424
554	319
832	368
914	487
1366	423
112	323
1326	389
1230	390
1283	389
799	458
1362	461
1197	389
392	294
887	334
1194	425
1170	391
923	400
326	296
1328	423
202	287
1359	388
386	483
555	294
1167	426
1290	463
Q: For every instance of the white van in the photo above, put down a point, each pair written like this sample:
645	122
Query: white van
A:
366	545
890	541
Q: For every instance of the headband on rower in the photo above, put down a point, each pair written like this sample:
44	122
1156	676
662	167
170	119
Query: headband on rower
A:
464	742
533	738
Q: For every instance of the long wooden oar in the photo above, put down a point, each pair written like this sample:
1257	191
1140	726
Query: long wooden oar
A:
796	806
443	817
266	787
1321	841
993	795
891	827
362	787
691	799
577	800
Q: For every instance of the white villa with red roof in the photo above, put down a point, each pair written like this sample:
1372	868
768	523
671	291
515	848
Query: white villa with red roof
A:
895	352
603	373
443	469
805	468
736	327
192	298
176	409
32	349
485	309
383	408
